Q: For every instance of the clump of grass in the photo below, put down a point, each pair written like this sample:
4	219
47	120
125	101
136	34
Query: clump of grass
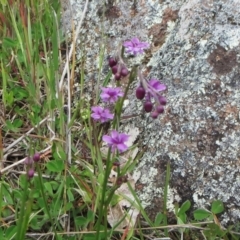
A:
54	170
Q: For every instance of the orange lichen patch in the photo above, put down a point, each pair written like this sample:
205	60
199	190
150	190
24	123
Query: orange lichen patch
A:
158	31
222	61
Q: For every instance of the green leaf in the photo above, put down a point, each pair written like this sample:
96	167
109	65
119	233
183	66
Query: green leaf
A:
115	199
201	214
158	219
183	217
217	207
70	195
80	221
9	43
17	123
185	206
55	166
9	98
48	187
60	153
10	232
6	193
90	215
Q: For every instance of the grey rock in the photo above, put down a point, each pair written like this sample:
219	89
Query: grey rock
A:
195	50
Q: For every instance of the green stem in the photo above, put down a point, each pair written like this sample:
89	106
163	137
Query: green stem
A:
102	210
45	201
20	231
165	197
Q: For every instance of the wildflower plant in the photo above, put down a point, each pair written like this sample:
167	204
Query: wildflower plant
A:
80	150
112	97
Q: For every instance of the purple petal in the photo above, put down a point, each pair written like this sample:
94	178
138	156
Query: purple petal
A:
128	44
121	147
135	40
107	139
157	85
114	134
95	116
123	137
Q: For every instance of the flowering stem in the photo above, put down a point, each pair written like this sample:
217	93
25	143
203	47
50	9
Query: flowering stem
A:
44	200
103	207
21	228
120	106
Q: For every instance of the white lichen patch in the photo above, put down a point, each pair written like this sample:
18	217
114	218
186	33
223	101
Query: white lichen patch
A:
199	133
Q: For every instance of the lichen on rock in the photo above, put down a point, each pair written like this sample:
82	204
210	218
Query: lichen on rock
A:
195	49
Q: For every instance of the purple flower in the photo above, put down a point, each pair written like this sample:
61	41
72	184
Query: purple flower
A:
134	46
153	88
151	91
101	114
116	140
155	84
110	94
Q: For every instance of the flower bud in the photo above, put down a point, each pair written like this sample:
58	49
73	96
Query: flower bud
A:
117	76
112	62
28	161
148	106
160	109
140	93
115	69
36	157
30	173
124	72
162	100
154	115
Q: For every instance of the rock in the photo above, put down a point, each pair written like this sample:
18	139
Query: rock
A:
195	47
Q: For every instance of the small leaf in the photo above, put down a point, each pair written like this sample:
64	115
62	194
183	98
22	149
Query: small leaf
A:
48	187
201	214
185	206
10	232
70	195
9	43
55	165
217	207
158	219
183	217
90	215
17	123
80	221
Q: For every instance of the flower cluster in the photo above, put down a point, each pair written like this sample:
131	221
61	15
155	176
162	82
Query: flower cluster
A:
108	95
118	68
116	140
29	162
151	91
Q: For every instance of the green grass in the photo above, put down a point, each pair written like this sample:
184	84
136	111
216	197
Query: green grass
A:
70	195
